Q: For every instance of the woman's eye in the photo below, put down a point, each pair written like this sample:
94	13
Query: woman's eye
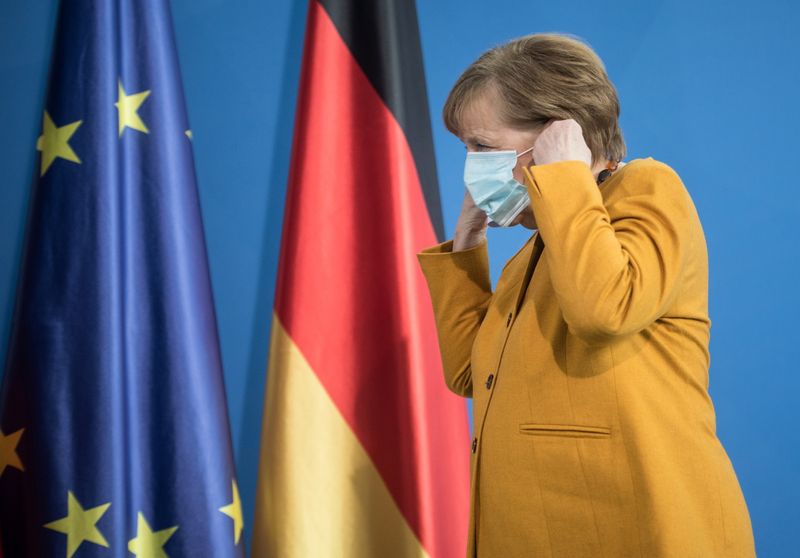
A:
475	146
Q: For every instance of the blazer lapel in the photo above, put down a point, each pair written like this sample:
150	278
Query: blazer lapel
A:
536	253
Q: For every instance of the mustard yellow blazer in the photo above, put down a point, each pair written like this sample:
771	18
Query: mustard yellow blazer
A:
594	432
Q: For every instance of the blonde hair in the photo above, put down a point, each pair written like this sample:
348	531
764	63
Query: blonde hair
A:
544	77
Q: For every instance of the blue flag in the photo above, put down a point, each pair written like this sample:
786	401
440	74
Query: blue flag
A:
114	436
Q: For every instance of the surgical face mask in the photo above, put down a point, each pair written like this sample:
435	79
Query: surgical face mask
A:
489	177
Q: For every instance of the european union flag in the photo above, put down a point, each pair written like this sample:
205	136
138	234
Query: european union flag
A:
114	437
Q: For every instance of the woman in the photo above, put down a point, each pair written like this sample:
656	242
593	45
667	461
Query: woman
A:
588	364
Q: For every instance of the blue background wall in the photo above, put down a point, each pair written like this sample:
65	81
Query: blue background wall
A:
708	87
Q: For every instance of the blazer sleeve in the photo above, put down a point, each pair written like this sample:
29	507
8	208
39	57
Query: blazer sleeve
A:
461	290
615	266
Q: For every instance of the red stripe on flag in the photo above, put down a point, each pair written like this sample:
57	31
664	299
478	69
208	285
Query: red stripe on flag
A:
352	297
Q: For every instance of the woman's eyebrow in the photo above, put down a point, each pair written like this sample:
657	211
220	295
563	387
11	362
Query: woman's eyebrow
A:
475	140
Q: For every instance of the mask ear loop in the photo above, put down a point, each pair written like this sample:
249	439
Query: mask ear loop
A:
533	162
524	152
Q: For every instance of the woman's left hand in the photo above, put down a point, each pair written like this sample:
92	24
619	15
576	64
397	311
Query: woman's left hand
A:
561	140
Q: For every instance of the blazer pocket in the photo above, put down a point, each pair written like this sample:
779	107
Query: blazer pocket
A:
564	430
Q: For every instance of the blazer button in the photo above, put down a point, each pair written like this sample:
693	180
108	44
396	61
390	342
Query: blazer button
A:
489	381
508	321
474	444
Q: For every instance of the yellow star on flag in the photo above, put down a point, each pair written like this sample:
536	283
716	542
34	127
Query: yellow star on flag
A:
234	511
148	544
8	451
188	134
127	107
54	142
79	525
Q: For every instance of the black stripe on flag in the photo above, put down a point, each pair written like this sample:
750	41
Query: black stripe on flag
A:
383	37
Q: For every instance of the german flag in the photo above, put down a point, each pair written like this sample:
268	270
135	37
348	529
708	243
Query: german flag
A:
363	450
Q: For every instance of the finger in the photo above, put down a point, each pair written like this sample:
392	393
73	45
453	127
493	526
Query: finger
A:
468	197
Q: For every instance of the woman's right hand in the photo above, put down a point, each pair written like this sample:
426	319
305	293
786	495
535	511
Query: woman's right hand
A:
471	225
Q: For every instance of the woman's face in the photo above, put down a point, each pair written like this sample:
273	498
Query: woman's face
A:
483	130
